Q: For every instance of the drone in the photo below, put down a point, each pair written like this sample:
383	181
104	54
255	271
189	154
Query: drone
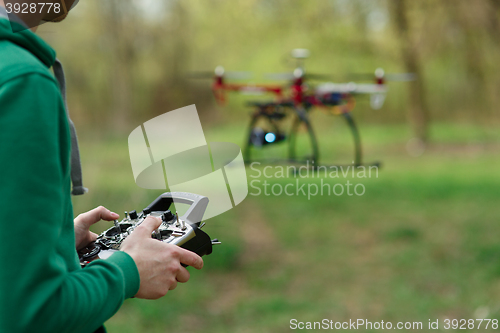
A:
286	117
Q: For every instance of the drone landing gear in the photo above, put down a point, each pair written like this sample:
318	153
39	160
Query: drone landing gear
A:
265	130
302	147
358	152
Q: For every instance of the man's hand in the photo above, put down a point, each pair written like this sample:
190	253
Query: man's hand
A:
83	235
159	263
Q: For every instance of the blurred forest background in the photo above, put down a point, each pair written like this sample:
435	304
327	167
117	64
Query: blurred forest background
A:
128	60
420	244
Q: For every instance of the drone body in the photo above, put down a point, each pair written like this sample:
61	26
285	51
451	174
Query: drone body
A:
296	99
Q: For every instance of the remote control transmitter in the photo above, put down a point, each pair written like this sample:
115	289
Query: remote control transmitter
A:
184	231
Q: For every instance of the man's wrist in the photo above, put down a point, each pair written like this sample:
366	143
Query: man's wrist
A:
131	275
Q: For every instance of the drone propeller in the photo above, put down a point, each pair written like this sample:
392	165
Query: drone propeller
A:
380	74
201	75
297	73
401	77
279	76
220	72
314	76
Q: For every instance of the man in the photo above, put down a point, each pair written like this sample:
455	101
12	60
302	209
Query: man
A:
42	287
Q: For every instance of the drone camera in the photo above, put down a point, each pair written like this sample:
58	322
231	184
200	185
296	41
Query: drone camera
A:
259	137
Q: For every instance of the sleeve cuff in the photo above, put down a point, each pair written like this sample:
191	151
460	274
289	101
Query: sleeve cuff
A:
130	272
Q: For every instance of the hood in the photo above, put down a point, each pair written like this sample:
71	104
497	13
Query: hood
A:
26	39
36	46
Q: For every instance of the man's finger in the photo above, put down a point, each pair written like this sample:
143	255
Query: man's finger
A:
93	236
150	224
191	259
173	286
97	214
105	214
183	275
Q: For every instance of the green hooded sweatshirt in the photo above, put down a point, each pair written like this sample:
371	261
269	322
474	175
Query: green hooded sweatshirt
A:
42	287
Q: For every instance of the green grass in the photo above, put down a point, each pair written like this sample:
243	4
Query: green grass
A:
421	243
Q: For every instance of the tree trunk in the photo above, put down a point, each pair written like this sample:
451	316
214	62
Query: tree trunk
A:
117	17
418	109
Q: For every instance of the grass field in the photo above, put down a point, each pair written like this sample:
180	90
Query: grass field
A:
421	243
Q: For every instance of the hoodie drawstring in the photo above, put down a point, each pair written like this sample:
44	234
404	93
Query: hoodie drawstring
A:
76	166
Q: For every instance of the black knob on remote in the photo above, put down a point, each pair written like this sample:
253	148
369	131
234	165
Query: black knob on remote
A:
133	215
167	216
146	211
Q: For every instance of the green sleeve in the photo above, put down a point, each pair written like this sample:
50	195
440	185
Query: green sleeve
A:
42	289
